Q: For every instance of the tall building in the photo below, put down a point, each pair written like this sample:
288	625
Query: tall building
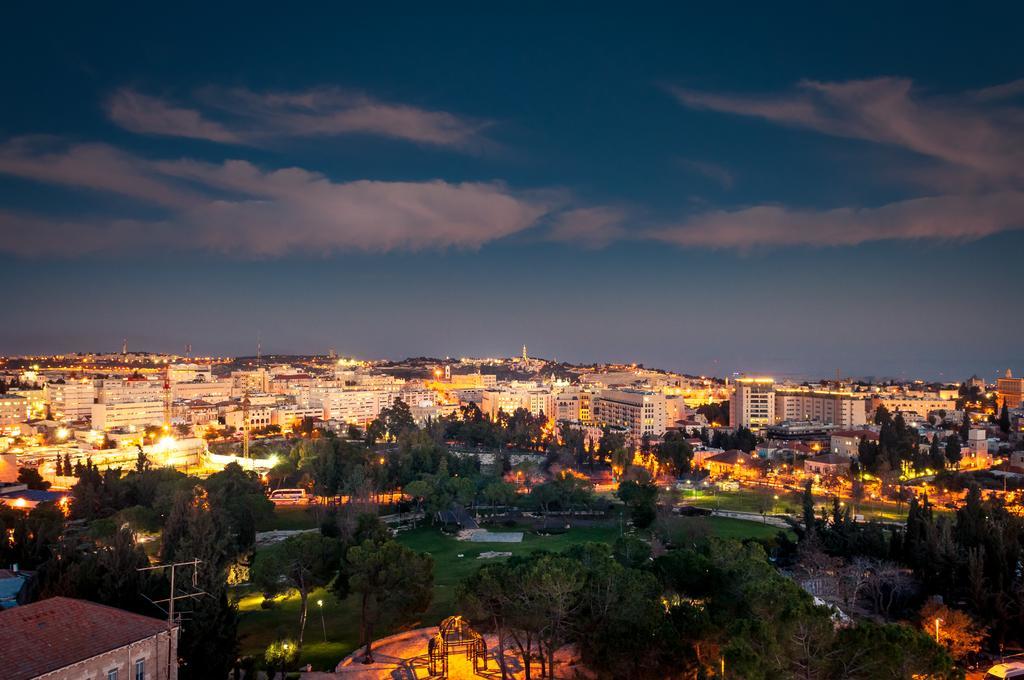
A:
642	412
71	399
1010	390
752	403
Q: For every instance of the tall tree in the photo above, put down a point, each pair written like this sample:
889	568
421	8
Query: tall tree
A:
302	563
393	583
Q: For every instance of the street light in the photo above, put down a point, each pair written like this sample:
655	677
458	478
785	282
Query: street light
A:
937	622
320	604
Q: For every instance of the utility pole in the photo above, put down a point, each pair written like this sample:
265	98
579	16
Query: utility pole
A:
172	597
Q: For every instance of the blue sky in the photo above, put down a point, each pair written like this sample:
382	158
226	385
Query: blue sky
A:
794	190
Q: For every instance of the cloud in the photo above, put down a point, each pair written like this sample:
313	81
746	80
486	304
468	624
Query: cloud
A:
93	166
592	227
238	208
980	133
143	114
973	143
949	218
243	116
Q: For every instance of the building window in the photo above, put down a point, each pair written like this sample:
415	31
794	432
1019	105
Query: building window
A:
140	669
112	674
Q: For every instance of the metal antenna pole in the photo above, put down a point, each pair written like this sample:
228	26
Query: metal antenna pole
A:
171	598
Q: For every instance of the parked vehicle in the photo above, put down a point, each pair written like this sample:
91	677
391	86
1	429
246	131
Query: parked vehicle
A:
290	497
1005	671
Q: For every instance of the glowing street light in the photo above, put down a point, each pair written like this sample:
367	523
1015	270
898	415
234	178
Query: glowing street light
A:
320	604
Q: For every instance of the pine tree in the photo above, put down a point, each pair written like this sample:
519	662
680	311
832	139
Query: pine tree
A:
1004	419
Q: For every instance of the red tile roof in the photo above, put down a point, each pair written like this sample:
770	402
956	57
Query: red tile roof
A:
51	634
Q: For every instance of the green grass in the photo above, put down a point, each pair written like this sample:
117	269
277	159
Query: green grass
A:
259	627
747	500
291	517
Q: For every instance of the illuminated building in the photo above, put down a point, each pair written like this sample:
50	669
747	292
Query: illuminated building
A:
641	411
137	414
13	409
912	407
847	442
833	408
752	403
70	400
1010	390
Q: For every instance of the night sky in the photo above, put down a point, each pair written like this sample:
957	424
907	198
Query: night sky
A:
792	190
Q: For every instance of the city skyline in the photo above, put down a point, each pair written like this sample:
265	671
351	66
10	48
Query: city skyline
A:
688	191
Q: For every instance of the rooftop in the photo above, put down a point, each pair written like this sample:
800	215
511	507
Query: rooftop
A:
52	634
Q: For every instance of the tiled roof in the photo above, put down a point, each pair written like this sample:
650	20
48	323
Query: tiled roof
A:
51	634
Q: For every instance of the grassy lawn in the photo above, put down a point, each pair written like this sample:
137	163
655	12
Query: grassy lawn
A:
290	517
746	500
259	627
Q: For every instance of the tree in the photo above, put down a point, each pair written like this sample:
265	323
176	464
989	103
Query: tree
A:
675	452
1004	419
209	637
956	630
631	552
500	493
30	477
641	498
872	651
302	562
141	460
280	654
392	583
953	452
765	503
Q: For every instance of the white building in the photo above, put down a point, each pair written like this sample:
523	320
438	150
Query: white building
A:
13	409
127	390
137	414
752	403
831	408
70	400
642	412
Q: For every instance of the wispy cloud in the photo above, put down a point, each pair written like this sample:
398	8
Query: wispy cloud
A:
243	116
143	114
238	208
982	133
974	143
944	218
592	227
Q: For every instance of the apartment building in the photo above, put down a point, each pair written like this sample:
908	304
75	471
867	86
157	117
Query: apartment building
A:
912	407
752	403
844	409
13	409
135	414
126	390
71	399
641	411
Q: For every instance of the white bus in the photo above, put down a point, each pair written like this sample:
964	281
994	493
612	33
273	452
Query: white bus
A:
290	497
